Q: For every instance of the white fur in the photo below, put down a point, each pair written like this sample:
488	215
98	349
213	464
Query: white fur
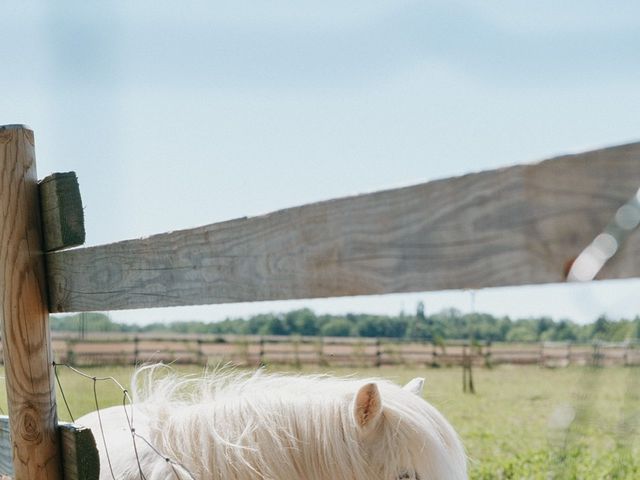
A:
235	426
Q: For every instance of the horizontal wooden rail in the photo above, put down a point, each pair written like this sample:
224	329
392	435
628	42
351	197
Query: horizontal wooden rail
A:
512	226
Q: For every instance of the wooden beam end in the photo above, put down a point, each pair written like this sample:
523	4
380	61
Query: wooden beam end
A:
62	212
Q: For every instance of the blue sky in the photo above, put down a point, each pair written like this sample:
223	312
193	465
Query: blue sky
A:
179	114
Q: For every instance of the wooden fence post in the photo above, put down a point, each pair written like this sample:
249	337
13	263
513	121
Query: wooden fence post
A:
320	351
464	368
596	355
200	354
70	358
136	350
434	354
626	353
487	355
296	351
24	313
261	361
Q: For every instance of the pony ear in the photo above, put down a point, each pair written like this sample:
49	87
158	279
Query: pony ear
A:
415	386
367	406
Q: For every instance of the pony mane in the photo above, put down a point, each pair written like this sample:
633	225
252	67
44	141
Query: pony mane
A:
227	424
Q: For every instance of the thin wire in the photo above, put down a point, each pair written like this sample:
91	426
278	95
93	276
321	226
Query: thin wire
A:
64	397
92	377
104	440
134	435
166	459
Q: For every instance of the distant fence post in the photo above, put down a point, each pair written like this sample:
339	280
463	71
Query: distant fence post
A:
626	353
296	351
464	368
541	358
596	355
24	313
378	353
261	361
434	353
320	351
70	359
487	355
199	354
136	349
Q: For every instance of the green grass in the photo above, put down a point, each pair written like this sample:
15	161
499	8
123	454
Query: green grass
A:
517	425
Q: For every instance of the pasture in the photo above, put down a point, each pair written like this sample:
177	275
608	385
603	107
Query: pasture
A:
524	422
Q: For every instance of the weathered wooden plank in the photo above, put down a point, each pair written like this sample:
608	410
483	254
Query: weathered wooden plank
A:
512	226
23	313
80	458
6	463
62	213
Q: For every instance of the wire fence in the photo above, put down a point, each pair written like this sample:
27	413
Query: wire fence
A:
128	409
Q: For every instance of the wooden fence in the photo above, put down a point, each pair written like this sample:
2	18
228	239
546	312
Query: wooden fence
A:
513	226
100	349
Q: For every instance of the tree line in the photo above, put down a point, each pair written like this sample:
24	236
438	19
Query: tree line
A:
449	324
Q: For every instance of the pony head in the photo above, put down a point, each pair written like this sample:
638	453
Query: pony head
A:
402	436
278	427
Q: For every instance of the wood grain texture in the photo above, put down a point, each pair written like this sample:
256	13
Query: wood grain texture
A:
512	226
62	213
79	453
23	312
80	458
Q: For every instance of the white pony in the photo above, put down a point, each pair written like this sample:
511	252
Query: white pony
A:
236	426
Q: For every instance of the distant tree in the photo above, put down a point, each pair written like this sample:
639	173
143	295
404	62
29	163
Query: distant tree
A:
621	330
93	322
302	322
449	324
600	328
274	326
256	324
636	328
394	327
542	325
522	332
420	327
369	326
337	327
563	331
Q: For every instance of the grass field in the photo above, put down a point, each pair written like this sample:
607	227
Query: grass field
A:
523	422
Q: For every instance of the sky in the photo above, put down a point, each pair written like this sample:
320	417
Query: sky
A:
181	114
